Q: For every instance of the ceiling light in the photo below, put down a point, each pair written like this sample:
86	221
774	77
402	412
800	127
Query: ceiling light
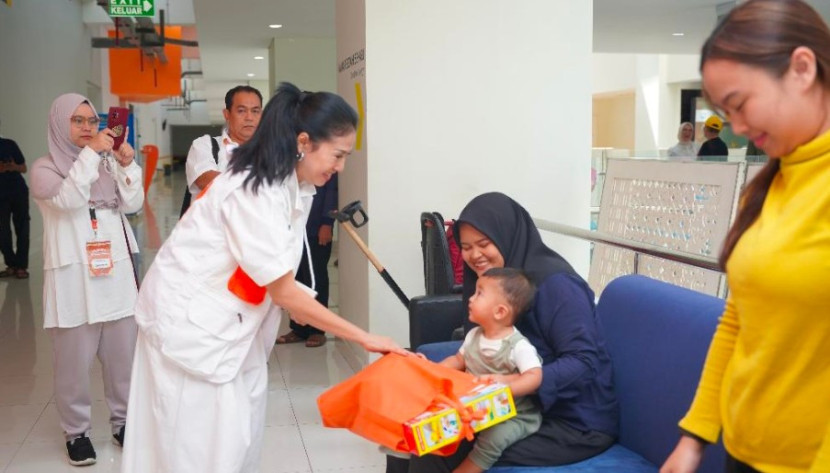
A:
274	26
259	58
678	34
250	74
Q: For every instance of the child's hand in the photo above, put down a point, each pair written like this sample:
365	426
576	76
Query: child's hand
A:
420	355
491	378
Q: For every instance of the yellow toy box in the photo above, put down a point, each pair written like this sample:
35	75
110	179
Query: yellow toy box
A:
442	426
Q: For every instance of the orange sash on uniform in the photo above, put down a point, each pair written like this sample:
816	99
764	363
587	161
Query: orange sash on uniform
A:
240	284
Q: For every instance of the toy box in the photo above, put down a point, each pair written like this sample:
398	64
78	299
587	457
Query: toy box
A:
441	426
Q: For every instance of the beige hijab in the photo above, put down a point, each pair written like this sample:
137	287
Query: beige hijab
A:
104	191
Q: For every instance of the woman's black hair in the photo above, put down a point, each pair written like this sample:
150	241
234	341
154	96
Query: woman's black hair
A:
271	153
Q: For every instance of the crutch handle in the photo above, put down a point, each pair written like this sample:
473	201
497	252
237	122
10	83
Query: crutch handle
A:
347	214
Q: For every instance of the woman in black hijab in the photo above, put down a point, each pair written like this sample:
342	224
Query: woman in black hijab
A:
580	412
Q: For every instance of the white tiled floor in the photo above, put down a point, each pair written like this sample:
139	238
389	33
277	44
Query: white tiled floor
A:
30	437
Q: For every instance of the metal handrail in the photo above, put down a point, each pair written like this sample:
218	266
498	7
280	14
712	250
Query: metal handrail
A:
699	261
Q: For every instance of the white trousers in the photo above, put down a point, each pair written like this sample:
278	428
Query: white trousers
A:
180	423
74	350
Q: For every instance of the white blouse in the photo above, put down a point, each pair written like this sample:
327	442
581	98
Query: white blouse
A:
185	308
71	297
200	158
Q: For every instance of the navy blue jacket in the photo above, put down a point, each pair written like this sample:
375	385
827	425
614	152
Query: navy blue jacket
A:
325	200
577	384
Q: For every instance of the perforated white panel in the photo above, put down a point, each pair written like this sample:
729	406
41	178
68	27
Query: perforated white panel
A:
684	206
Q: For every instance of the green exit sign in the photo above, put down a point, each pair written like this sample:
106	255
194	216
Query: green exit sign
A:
132	8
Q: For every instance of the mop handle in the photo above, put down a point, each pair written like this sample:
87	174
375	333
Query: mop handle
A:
365	249
348	222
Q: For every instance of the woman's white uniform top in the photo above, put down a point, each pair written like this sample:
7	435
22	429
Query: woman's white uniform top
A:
71	297
184	307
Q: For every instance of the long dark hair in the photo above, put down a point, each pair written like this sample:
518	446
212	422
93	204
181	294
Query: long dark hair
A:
764	34
271	153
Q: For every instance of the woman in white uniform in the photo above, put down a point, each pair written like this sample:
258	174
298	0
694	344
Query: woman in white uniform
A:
208	308
83	189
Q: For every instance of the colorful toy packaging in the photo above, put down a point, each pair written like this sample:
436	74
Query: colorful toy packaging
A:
443	425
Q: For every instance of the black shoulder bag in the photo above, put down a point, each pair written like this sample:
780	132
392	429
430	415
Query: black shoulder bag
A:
214	145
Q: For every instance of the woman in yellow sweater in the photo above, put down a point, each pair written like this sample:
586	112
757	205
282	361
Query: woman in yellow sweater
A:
766	382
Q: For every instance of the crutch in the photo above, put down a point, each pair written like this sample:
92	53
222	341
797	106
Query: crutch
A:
346	217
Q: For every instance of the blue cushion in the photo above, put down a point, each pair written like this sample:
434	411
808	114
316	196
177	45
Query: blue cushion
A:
438	351
657	335
616	459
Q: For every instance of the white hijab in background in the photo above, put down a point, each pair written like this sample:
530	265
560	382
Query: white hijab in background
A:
684	150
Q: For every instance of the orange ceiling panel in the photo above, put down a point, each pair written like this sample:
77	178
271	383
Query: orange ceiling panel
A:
135	77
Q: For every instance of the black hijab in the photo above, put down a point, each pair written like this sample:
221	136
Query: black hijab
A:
508	225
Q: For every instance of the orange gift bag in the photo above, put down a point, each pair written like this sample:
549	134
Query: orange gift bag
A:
377	401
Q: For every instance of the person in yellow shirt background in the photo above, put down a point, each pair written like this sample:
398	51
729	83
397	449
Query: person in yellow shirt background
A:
766	383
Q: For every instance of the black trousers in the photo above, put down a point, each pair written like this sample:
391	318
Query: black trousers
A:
556	443
14	210
320	255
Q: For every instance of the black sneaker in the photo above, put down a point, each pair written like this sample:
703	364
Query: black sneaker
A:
80	451
118	438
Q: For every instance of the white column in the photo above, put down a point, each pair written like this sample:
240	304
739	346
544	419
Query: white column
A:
44	52
462	97
354	270
308	63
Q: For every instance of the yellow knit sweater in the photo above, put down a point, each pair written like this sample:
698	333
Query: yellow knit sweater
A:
766	381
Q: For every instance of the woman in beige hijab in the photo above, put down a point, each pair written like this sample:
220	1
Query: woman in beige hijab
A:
83	189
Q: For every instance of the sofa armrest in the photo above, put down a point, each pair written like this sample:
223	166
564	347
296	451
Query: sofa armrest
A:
433	318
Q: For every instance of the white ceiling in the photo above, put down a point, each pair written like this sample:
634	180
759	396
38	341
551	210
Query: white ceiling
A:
232	32
646	26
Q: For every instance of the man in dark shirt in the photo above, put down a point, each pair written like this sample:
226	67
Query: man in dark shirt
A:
714	149
319	232
14	208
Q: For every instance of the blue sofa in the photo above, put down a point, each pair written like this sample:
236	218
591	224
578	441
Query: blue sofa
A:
657	335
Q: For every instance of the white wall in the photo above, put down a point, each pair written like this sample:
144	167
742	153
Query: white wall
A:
496	102
44	52
308	63
682	68
353	268
215	94
99	71
264	88
149	117
613	72
657	81
197	115
647	105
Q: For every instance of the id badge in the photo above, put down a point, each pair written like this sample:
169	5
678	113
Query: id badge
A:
99	258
